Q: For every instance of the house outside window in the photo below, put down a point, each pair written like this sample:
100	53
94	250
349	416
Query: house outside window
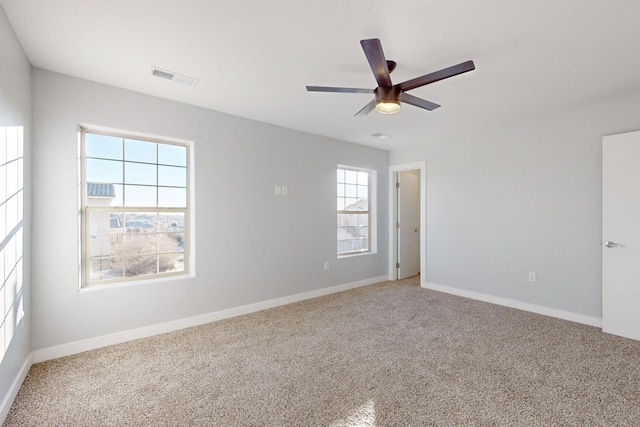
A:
135	208
354	212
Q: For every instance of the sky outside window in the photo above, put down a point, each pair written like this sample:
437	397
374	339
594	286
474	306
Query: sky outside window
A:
144	173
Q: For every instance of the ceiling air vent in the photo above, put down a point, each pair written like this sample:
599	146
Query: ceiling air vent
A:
380	135
174	77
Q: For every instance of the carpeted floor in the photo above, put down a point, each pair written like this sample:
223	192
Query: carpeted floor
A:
391	354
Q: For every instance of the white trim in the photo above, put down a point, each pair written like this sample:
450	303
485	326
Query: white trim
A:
525	306
11	394
55	352
393	170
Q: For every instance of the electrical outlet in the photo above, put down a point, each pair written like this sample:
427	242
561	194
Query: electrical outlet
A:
532	276
326	265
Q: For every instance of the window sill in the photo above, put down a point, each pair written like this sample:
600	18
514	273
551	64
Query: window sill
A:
358	254
134	283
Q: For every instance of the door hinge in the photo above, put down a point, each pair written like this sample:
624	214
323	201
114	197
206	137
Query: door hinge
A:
397	225
397	265
397	185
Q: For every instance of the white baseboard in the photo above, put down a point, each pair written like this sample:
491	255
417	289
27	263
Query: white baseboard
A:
11	394
55	352
534	308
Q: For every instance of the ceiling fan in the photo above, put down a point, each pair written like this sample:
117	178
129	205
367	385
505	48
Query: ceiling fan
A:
387	95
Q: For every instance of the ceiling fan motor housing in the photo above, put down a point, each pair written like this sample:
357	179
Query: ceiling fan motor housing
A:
387	94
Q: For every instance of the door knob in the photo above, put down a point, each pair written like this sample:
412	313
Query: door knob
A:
611	244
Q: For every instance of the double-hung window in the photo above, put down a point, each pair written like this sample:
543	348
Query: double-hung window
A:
11	233
354	210
135	207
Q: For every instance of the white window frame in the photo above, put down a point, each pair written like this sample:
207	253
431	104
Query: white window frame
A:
371	211
86	210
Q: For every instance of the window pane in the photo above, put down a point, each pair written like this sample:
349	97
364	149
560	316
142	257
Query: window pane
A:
171	262
140	222
116	223
179	264
103	268
347	232
139	196
12	213
20	205
350	204
363	178
172	154
351	176
135	254
361	205
104	170
172	176
139	244
172	197
363	192
360	245
340	175
170	242
140	151
20	175
103	146
12	178
99	224
348	219
351	190
138	173
341	190
118	200
139	265
168	222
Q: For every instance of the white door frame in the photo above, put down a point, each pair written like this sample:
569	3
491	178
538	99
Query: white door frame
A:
393	209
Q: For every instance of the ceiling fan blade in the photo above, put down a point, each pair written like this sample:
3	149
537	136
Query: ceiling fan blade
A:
438	75
338	89
418	102
366	109
373	51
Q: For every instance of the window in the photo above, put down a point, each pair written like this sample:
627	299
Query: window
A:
11	233
135	208
354	210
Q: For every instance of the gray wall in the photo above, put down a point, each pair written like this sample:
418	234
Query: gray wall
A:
520	198
251	246
15	110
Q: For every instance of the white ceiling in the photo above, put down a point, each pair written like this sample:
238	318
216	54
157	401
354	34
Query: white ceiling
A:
254	57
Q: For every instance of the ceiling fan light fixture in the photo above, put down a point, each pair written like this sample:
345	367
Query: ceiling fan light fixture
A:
387	99
388	106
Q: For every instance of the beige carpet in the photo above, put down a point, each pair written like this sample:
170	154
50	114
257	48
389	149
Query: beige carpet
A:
391	354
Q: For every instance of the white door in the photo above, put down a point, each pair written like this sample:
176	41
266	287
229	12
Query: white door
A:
409	220
621	235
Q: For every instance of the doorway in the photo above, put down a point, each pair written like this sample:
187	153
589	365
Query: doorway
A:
407	221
